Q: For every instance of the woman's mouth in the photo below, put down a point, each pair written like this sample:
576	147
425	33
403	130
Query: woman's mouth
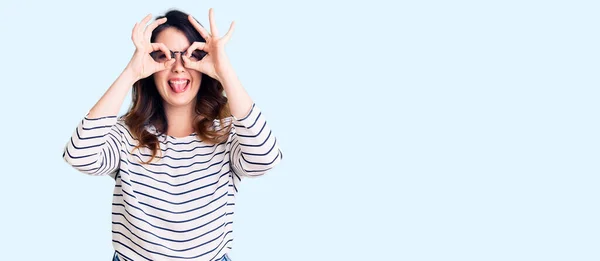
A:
179	85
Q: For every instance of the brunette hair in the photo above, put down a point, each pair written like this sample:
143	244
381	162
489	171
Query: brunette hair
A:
147	104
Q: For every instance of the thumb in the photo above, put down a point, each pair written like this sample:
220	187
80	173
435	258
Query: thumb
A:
167	64
187	63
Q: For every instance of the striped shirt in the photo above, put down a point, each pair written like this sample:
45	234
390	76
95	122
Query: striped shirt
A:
179	207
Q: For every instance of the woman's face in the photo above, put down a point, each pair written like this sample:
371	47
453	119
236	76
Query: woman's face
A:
177	85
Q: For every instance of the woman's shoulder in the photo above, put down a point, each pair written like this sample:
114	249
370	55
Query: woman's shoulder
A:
121	124
122	127
219	124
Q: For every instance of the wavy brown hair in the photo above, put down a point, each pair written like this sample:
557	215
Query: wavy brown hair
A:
147	104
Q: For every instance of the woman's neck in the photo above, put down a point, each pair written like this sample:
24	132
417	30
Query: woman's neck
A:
180	119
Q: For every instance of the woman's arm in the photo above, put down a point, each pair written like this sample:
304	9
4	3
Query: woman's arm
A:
95	146
254	147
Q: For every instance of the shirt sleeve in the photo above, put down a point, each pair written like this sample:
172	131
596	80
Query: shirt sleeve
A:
94	147
254	148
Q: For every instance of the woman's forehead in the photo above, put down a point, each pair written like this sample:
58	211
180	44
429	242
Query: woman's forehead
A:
174	39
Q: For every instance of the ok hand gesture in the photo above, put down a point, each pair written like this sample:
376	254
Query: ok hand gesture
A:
142	64
215	64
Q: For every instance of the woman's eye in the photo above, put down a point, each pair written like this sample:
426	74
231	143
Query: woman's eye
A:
197	55
158	56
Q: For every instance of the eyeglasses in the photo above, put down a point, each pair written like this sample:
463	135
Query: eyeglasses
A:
159	56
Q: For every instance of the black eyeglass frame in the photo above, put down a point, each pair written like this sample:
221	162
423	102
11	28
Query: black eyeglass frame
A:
198	53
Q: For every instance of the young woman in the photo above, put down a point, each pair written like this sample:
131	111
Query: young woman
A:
180	152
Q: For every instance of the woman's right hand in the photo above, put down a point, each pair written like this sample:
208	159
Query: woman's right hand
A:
142	65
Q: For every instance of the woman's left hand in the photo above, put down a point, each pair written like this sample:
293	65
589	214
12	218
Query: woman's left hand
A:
215	63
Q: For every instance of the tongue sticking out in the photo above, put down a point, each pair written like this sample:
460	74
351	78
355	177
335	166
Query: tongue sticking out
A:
178	86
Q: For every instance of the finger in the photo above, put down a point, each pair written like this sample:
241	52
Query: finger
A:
187	63
213	26
146	19
229	33
166	65
134	36
162	47
193	47
199	28
144	22
153	26
135	28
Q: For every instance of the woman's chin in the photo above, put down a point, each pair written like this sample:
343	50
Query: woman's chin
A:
180	99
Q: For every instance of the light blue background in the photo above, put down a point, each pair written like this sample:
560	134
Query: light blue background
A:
411	130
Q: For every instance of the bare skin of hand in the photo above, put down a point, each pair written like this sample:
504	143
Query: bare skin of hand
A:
142	65
215	64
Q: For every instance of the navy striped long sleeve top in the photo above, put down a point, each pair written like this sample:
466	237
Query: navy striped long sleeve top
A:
180	207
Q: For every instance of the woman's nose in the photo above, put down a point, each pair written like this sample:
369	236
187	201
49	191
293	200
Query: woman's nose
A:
178	65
